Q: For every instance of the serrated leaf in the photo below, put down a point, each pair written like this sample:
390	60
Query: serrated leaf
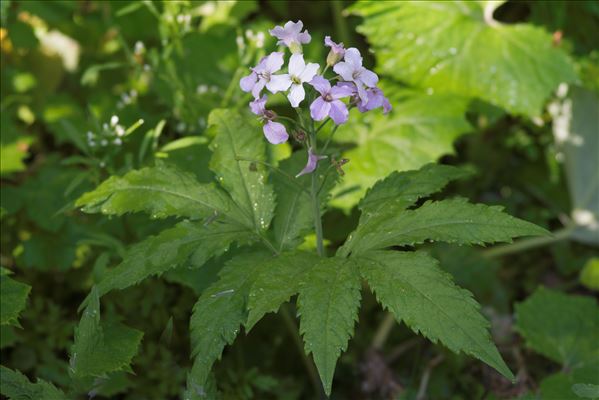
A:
238	139
277	282
328	302
101	348
219	313
294	216
13	298
161	191
406	139
452	221
458	47
561	327
413	287
399	190
171	248
16	386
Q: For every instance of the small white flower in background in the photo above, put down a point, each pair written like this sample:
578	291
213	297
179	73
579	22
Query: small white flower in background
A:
140	48
120	131
114	120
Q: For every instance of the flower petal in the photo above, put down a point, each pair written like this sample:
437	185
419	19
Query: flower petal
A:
258	106
322	85
311	164
296	95
275	132
304	37
346	70
258	88
319	109
278	83
309	72
369	78
386	106
343	89
274	61
296	64
247	82
339	112
352	56
362	93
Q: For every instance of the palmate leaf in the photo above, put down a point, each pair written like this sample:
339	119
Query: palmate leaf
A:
414	288
390	196
458	47
452	221
16	386
276	282
161	191
101	348
561	327
237	140
329	298
406	139
13	297
171	248
219	313
294	217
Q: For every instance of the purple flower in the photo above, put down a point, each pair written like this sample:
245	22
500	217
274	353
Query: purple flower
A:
275	132
328	104
311	164
299	73
291	35
337	51
262	75
351	70
376	99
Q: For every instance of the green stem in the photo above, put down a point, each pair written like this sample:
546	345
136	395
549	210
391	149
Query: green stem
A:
340	22
232	87
297	340
326	145
526	244
316	204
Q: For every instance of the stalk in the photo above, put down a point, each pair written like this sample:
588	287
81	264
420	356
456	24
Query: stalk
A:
316	204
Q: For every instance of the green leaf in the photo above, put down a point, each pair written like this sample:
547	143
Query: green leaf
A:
294	217
161	191
16	386
589	276
239	138
100	348
407	138
277	282
399	190
219	312
452	221
171	248
575	125
586	390
328	304
413	287
561	327
13	298
458	47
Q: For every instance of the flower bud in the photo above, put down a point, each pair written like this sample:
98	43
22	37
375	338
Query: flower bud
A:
300	136
333	58
295	48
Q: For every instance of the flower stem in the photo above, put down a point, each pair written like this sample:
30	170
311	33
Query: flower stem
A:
316	203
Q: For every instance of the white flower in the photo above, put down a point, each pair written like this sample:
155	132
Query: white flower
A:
299	73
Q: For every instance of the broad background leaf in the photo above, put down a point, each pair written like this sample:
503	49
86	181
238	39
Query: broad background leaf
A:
452	46
419	130
13	298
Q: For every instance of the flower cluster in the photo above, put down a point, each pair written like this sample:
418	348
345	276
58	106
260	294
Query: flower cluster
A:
351	81
110	134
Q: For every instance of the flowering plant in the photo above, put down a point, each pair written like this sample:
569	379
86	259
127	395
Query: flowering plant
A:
263	214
